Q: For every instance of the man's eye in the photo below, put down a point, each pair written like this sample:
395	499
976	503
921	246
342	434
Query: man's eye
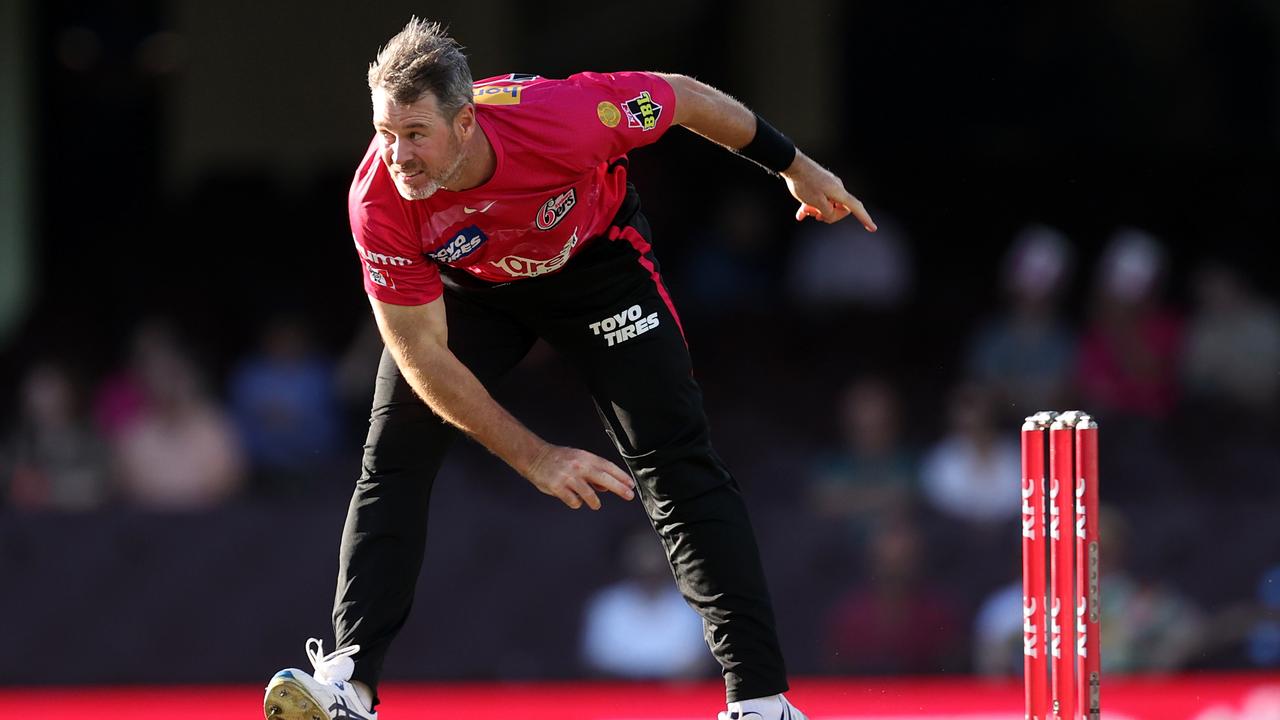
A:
387	137
416	136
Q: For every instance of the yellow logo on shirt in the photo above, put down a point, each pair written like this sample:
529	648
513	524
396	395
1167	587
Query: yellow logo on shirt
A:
609	114
496	94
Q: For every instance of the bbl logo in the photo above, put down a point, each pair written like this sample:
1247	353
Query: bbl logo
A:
462	245
554	209
642	112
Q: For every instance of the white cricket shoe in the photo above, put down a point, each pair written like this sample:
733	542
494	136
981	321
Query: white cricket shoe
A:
327	695
774	707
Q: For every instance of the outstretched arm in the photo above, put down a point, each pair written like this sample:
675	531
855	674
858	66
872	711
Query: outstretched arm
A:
727	122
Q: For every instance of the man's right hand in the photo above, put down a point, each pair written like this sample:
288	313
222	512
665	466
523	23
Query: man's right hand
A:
574	476
417	337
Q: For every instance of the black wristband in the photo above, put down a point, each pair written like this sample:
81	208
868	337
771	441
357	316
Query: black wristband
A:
769	149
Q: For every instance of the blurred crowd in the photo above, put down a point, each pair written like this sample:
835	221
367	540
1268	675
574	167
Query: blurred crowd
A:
925	504
156	433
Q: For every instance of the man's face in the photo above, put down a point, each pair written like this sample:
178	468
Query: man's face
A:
421	149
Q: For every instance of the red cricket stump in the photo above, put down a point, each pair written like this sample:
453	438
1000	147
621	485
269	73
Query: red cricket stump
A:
1062	566
1088	611
1035	662
1063	677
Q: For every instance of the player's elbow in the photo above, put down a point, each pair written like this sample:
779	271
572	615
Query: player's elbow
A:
679	83
688	93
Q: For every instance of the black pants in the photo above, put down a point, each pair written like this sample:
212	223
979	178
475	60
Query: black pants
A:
608	313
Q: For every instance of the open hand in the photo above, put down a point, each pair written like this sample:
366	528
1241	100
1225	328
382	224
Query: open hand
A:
822	194
574	476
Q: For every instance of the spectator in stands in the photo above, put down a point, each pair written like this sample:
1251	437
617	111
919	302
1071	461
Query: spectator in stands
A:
1025	355
640	627
1233	343
1148	625
285	406
356	369
1246	632
180	451
1264	633
873	473
120	397
997	628
54	460
1130	352
897	622
974	473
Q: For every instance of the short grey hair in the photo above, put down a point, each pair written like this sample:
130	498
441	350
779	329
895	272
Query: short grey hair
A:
422	58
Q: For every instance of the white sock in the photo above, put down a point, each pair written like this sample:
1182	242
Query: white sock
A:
365	695
767	706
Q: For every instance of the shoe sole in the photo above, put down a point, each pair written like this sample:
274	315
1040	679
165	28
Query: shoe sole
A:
287	699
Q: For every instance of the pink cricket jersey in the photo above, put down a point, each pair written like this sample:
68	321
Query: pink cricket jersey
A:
552	189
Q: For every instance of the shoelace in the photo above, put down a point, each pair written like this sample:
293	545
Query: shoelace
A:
333	668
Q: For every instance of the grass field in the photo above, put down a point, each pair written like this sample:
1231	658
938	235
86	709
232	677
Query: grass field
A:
1193	697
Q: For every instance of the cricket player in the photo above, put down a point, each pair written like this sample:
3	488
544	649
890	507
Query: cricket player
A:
487	215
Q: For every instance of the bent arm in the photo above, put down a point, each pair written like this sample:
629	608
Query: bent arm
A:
418	339
723	120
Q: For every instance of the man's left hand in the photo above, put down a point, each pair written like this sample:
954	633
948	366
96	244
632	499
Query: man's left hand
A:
822	194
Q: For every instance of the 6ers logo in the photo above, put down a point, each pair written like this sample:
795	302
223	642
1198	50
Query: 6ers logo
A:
554	209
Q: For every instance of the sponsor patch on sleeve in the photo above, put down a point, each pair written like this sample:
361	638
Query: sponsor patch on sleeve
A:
642	112
609	114
496	94
380	277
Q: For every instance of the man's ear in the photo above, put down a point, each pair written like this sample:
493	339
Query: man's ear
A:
464	121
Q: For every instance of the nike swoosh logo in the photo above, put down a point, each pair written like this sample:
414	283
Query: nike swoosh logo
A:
468	210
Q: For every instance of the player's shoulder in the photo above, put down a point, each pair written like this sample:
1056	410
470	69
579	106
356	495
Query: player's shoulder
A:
531	109
372	191
365	181
511	89
527	90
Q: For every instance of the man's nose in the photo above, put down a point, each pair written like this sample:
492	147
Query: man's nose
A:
400	152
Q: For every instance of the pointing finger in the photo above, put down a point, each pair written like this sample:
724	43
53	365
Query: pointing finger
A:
859	211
